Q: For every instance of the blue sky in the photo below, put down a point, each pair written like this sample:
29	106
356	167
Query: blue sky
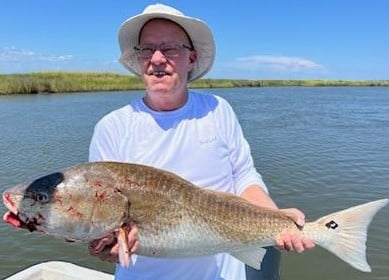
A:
257	39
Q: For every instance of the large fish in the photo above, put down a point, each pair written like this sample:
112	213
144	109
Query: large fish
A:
174	217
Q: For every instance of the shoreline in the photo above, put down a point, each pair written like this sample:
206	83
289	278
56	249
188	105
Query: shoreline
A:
67	82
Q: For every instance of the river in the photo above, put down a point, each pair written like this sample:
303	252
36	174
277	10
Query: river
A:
318	149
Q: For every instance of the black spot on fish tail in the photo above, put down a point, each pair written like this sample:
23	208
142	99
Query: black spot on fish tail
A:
332	224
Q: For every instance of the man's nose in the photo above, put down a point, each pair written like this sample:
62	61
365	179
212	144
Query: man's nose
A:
158	57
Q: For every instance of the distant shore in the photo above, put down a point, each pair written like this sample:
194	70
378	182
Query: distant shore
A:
65	82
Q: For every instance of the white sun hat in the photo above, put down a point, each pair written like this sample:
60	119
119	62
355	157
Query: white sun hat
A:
198	31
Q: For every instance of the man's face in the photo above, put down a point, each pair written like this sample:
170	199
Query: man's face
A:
166	69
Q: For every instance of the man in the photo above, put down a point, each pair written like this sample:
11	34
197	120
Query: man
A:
196	136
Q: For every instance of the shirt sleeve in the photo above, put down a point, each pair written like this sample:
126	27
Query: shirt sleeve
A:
243	169
103	146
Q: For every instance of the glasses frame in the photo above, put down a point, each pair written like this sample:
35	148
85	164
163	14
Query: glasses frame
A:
147	51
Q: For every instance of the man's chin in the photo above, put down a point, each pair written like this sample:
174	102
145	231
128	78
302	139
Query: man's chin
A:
159	84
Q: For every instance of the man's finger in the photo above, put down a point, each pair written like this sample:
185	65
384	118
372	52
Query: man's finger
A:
98	245
132	237
296	215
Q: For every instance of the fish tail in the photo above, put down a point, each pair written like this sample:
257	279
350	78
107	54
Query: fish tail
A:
344	233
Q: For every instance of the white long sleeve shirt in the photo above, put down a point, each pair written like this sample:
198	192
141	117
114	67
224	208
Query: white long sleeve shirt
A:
202	142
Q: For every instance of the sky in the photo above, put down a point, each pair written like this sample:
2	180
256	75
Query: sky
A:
257	39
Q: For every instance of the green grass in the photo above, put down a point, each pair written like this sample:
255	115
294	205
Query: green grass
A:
53	82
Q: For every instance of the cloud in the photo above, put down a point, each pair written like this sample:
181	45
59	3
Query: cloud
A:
273	63
12	54
14	60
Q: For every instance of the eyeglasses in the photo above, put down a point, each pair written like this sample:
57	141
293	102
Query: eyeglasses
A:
170	50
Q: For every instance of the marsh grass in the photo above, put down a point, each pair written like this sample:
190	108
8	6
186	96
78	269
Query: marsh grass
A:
55	82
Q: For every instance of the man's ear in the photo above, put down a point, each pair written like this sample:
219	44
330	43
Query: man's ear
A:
192	59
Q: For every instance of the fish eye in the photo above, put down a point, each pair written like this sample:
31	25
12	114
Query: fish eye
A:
41	197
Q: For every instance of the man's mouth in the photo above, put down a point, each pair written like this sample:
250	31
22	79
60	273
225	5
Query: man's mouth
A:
159	74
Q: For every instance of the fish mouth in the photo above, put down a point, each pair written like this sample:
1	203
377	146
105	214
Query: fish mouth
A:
19	220
9	203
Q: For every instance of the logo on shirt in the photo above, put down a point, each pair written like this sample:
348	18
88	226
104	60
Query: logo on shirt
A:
207	140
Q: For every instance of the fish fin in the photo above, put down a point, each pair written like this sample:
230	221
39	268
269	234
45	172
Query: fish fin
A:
124	250
344	233
252	257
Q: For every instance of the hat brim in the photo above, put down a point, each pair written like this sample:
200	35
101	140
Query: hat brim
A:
198	31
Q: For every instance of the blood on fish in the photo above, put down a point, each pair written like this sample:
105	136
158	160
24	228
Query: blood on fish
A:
57	198
74	212
100	196
7	197
97	184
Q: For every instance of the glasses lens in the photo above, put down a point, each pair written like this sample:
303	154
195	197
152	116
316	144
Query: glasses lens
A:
144	51
168	50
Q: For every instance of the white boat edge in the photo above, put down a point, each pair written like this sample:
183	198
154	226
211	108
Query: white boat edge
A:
55	270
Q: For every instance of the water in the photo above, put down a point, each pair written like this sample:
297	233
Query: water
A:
319	149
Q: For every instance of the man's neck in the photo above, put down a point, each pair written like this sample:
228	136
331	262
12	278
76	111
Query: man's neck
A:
165	102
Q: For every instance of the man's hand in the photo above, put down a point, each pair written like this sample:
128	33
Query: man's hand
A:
294	242
107	248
